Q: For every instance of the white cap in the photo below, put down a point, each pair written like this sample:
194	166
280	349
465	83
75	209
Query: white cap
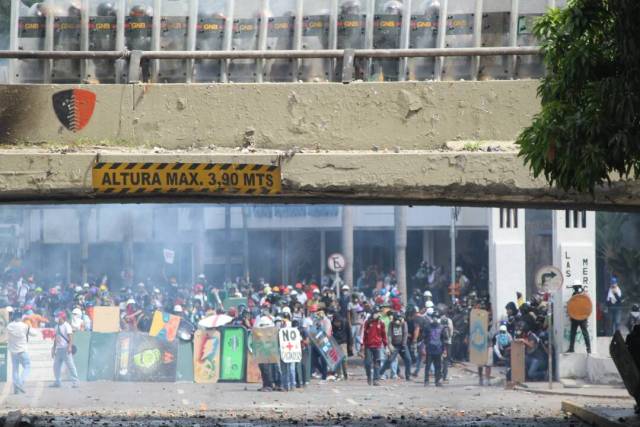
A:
429	304
131	301
141	284
9	309
294	292
427	293
286	310
345	287
458	268
76	311
177	309
430	311
503	328
78	289
156	290
86	285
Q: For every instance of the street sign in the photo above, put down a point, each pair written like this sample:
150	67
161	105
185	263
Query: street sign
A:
336	263
201	178
290	346
549	279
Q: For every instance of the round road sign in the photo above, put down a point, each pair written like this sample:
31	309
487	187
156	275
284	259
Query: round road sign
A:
336	263
549	279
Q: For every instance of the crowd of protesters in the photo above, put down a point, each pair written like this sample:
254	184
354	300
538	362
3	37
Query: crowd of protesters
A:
396	340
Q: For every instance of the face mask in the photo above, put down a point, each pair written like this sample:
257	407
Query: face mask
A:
503	338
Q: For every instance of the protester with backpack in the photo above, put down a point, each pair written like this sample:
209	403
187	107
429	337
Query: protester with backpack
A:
63	350
436	337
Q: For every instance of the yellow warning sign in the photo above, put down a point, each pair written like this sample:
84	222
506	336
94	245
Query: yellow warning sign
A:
230	178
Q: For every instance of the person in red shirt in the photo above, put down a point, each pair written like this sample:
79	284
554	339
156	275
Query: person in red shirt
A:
375	342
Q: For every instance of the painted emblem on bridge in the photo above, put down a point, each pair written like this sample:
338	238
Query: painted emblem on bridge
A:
74	108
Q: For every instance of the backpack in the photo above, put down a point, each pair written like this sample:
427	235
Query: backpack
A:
434	345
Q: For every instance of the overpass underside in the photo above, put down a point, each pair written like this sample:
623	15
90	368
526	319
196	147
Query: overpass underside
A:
418	143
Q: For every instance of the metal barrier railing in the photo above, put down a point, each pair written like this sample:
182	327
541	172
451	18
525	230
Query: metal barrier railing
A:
348	56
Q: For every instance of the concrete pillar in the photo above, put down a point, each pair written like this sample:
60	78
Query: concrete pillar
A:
428	246
227	238
199	239
347	244
507	258
127	246
83	225
574	253
400	222
245	244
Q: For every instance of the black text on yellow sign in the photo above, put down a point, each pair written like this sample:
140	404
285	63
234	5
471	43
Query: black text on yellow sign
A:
230	178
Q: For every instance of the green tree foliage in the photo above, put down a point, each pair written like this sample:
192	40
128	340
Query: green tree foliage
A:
589	126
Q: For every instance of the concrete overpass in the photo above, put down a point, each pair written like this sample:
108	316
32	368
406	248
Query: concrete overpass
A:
418	142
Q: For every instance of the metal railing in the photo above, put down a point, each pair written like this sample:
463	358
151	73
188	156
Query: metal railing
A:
135	57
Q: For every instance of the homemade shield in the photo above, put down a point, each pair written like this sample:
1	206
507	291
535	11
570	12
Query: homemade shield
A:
290	345
164	326
144	358
328	348
82	341
264	343
233	355
479	337
101	356
206	356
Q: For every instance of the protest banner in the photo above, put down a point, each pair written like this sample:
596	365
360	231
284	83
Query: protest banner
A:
233	354
206	356
290	345
164	326
265	345
328	348
101	360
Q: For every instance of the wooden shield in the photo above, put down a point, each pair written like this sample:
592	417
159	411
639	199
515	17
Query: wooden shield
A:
479	337
579	307
206	356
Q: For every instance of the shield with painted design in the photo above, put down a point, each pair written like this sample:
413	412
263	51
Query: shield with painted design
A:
74	108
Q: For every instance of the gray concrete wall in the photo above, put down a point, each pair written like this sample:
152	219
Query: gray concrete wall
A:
324	116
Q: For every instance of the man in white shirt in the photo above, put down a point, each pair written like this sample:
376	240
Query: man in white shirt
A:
18	333
62	351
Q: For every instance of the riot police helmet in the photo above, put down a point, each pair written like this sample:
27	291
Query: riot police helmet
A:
73	11
106	9
38	9
140	11
431	7
392	7
351	7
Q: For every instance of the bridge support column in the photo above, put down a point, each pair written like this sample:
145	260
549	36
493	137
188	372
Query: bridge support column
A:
83	228
199	233
347	244
574	253
400	220
507	258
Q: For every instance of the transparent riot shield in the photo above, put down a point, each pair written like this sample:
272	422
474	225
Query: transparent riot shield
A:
247	18
460	26
32	22
423	35
66	37
103	35
529	66
387	27
174	28
138	30
316	31
280	31
496	19
352	34
212	19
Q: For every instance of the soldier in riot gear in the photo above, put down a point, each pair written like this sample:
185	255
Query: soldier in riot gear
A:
103	38
351	35
280	37
424	33
66	37
210	37
31	37
138	34
245	37
173	36
315	36
387	36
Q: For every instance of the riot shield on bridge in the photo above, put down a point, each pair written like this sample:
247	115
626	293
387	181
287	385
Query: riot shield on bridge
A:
281	19
247	18
387	28
459	33
174	29
423	35
529	66
66	36
103	36
213	16
30	35
316	35
496	19
352	34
